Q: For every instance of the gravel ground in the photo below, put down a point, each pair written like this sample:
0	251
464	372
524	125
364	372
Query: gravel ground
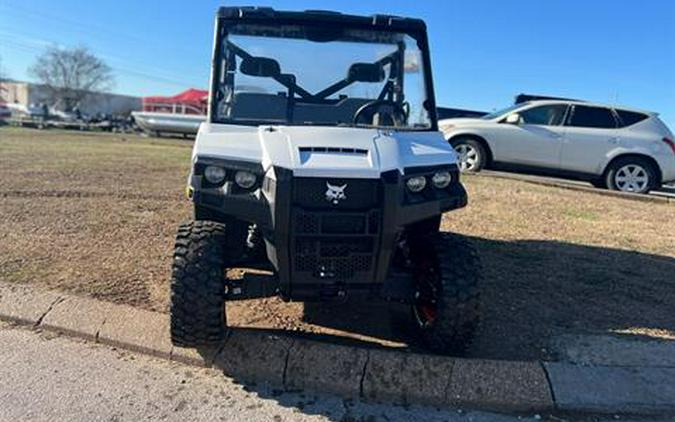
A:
95	214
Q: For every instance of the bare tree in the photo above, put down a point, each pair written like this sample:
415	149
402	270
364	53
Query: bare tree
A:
3	77
2	71
70	75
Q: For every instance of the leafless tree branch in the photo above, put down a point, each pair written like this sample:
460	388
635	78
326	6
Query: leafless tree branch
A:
70	75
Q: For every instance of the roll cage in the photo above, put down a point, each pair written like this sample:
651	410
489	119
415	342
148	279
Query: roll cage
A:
392	89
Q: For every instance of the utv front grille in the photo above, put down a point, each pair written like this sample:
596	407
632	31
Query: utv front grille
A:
359	194
333	223
335	242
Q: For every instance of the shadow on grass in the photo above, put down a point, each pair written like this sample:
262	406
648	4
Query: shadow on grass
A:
535	290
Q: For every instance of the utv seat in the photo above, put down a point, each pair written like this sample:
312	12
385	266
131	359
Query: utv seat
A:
341	112
271	107
258	106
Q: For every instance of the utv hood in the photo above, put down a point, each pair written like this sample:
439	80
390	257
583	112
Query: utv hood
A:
316	151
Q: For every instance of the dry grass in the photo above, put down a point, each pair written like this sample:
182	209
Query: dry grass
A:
96	214
559	261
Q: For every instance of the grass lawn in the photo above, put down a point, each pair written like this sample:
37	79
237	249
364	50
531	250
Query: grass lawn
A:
96	213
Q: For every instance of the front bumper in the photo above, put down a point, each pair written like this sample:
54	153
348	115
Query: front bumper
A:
320	249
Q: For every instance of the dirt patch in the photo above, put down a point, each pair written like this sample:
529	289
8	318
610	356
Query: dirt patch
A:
96	215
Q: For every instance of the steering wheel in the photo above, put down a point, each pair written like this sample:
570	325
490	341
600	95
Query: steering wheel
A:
381	113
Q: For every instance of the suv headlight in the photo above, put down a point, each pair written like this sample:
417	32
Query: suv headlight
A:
245	179
441	179
416	184
214	174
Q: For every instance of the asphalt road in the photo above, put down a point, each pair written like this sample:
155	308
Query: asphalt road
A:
45	377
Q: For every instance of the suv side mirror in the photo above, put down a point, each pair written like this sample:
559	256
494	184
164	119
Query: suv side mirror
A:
514	119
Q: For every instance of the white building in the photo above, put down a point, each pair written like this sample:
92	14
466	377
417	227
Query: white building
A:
27	94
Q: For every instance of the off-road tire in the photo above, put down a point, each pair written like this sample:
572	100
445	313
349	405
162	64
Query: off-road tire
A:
198	284
458	275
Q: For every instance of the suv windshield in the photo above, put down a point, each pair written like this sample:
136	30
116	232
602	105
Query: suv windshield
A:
306	75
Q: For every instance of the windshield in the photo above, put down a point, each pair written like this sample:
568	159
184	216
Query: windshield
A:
292	74
502	112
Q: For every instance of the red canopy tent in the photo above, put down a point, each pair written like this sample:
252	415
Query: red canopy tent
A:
191	101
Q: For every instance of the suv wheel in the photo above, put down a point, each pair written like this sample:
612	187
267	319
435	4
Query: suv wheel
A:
472	155
445	312
631	174
198	284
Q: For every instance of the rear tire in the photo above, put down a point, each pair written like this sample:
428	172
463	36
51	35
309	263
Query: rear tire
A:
446	311
472	154
631	174
198	284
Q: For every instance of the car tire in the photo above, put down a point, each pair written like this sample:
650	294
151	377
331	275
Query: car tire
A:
472	154
454	275
631	174
198	284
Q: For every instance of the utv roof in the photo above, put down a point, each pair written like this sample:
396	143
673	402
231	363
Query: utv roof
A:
269	15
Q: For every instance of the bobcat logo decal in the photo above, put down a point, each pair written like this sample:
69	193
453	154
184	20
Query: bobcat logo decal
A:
335	194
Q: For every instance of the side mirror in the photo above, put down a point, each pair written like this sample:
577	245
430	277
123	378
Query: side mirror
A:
365	72
262	67
514	119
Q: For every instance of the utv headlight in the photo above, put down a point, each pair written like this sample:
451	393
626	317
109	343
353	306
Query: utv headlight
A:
441	179
214	174
244	179
416	184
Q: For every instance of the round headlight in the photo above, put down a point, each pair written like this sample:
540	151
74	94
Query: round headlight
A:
244	179
416	184
214	174
441	179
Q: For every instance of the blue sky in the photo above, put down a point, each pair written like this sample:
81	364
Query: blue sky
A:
483	52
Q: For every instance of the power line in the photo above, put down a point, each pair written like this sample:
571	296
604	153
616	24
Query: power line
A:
96	31
93	30
25	47
159	72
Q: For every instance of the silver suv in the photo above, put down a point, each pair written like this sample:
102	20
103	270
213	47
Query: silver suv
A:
618	148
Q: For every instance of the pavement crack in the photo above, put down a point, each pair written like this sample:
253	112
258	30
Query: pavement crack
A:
288	356
363	373
446	390
51	306
98	332
550	384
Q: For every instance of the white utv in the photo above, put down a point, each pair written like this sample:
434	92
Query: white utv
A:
322	162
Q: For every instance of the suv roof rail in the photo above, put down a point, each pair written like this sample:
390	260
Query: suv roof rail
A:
523	98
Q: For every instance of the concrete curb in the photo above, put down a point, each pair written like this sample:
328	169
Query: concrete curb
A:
543	181
255	356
